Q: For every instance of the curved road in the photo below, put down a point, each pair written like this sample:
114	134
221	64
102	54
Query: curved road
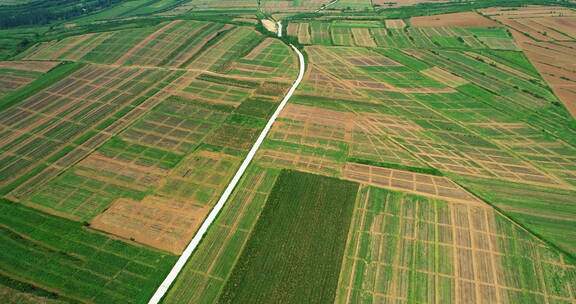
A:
163	288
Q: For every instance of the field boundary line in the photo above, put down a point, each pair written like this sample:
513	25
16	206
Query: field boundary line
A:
171	277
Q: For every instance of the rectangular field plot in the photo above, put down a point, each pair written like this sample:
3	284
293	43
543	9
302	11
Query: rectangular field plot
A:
115	46
162	223
70	48
206	272
370	147
167	44
423	184
171	45
388	71
201	177
310	213
406	248
176	126
62	256
15	75
394	33
216	92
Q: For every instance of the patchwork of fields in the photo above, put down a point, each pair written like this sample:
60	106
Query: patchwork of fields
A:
421	250
457	128
546	35
423	159
129	135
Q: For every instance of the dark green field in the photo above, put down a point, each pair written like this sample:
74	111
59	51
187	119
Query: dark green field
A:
295	251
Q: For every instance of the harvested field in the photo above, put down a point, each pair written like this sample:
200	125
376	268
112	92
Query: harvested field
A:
464	19
310	213
162	223
362	37
304	33
270	25
35	66
395	23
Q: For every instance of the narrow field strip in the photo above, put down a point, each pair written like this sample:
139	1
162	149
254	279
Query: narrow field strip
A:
163	288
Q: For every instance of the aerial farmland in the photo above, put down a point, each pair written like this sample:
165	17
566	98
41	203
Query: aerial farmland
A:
344	151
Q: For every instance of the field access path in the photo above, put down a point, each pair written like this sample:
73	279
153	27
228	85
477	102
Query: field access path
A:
163	288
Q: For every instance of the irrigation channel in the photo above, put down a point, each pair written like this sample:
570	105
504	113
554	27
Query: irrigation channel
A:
163	288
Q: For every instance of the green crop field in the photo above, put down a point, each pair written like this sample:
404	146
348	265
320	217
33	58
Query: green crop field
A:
59	254
304	216
423	249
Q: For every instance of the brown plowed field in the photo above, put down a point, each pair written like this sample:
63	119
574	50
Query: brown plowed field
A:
464	19
159	222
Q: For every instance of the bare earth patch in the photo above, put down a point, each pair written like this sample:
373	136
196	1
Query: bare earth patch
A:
36	66
465	19
163	223
395	23
269	25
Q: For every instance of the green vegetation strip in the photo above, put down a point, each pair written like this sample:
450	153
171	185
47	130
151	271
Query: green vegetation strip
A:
53	76
229	81
295	251
31	289
431	171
